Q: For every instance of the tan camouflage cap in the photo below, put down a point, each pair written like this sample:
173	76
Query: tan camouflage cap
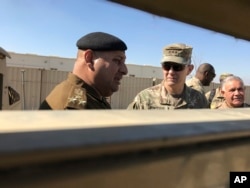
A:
178	53
224	75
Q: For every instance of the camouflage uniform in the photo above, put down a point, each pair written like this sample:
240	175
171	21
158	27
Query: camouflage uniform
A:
74	93
214	98
156	97
195	83
224	105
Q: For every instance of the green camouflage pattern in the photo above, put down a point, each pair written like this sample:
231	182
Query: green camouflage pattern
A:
178	53
216	100
195	84
156	97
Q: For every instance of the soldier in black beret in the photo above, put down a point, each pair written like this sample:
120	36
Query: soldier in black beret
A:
97	73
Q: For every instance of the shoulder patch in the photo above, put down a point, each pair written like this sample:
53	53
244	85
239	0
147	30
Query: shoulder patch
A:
77	98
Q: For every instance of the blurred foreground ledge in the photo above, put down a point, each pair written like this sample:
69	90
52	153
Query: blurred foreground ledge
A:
120	148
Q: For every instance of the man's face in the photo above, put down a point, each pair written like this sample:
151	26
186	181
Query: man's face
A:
234	93
109	69
208	77
175	73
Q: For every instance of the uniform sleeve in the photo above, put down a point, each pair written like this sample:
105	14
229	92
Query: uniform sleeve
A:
135	105
207	94
206	103
140	102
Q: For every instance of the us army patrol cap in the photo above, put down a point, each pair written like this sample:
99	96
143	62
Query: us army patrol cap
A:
224	75
101	41
177	53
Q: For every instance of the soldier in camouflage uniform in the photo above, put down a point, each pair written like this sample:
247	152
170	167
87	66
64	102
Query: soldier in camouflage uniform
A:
97	73
172	93
203	77
214	97
233	91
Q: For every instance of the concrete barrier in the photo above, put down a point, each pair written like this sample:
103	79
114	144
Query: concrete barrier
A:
119	148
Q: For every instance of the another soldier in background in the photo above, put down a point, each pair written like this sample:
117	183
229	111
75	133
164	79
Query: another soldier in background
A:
233	90
97	73
203	77
214	96
172	93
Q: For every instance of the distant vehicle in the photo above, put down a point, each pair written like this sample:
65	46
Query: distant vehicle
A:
9	98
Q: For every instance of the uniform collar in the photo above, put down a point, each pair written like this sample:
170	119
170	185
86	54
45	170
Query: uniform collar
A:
167	99
90	90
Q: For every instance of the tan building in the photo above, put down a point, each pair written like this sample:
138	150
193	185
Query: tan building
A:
34	76
66	64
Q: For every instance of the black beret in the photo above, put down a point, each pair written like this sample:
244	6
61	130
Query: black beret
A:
100	41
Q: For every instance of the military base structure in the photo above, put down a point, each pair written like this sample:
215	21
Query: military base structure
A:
122	148
9	98
34	76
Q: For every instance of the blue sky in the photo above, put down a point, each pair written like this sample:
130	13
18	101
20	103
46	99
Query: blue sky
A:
52	27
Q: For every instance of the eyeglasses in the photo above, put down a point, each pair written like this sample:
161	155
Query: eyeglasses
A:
176	67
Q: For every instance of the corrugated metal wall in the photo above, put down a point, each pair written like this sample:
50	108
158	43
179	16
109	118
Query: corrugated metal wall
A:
49	79
34	85
129	87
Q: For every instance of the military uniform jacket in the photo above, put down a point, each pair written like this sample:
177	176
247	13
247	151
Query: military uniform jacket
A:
224	105
74	93
156	97
195	83
216	99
